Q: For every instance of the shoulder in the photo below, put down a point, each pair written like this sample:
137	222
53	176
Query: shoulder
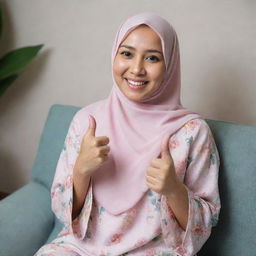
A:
200	137
83	113
80	118
195	127
193	132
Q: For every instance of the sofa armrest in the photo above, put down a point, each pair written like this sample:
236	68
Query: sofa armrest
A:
26	220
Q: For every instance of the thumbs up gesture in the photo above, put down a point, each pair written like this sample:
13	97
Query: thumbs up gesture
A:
161	176
93	152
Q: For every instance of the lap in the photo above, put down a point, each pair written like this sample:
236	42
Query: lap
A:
55	249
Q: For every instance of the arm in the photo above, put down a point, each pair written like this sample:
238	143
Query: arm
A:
179	203
80	188
92	154
200	177
71	190
65	183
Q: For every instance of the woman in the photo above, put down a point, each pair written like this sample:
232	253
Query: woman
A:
139	172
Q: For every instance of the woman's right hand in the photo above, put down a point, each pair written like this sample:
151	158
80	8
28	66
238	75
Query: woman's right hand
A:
93	151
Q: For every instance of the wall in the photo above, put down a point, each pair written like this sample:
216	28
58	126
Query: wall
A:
218	58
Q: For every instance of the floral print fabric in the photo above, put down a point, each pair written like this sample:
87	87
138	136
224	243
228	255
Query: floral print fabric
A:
150	227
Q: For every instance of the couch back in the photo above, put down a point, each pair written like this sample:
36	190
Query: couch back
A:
235	232
52	142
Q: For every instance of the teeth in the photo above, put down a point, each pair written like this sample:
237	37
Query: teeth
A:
136	83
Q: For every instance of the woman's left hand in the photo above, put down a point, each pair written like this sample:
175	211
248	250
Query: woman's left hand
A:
161	175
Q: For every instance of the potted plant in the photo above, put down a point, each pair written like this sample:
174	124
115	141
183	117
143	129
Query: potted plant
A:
14	61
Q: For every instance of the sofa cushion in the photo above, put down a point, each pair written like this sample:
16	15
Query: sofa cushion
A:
235	232
52	142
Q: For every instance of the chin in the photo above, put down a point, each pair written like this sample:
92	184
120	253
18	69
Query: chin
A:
136	99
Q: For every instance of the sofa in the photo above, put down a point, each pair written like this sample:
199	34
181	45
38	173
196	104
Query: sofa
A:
27	221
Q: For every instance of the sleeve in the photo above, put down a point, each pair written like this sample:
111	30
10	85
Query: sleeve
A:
201	181
62	186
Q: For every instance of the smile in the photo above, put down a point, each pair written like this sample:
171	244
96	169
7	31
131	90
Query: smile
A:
136	84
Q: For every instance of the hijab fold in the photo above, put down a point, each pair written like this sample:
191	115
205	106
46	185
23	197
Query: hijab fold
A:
137	129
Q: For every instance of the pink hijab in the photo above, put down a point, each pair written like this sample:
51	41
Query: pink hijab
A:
136	130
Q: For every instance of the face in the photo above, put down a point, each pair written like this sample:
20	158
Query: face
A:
139	66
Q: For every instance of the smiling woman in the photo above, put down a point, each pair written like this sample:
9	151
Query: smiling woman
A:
138	173
139	64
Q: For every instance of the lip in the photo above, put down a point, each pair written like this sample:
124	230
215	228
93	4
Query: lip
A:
135	80
134	86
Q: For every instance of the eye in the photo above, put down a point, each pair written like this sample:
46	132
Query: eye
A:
153	58
126	53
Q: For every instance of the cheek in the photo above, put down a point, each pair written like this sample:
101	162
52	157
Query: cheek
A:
157	74
119	67
161	72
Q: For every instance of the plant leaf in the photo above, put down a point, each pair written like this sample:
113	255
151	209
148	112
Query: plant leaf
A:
5	83
1	22
16	60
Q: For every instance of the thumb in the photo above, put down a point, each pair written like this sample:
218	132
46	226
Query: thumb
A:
92	126
165	152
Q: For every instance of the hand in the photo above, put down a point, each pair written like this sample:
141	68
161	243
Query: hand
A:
93	152
161	175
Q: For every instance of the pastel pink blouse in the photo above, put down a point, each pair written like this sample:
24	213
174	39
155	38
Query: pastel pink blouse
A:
150	227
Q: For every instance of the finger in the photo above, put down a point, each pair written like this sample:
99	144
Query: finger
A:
165	152
101	140
101	159
104	150
156	162
152	185
92	126
152	171
151	180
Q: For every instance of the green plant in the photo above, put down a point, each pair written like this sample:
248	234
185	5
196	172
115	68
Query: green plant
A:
14	61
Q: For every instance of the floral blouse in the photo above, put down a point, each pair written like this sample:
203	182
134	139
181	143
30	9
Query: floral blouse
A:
150	227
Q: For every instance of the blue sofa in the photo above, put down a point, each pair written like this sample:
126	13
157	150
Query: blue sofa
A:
27	222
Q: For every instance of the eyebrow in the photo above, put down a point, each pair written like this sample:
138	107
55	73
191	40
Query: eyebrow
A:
132	48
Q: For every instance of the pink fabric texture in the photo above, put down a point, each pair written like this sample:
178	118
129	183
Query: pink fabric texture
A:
150	227
142	125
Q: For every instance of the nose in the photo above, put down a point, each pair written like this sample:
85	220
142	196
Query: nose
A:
137	67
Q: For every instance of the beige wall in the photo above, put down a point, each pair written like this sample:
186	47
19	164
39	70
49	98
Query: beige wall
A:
218	56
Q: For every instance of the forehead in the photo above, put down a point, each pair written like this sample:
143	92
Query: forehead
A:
143	37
